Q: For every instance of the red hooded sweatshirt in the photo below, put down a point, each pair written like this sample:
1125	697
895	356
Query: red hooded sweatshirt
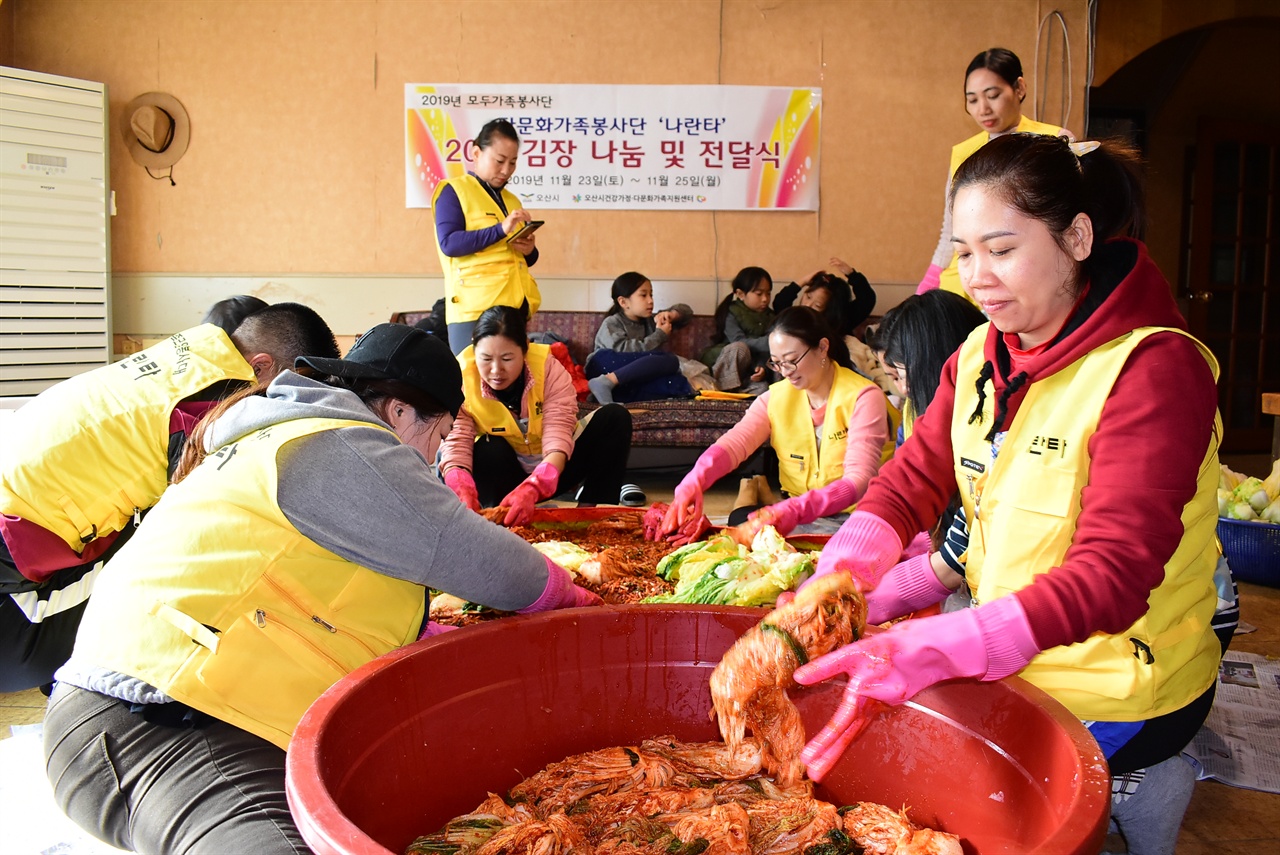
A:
1144	457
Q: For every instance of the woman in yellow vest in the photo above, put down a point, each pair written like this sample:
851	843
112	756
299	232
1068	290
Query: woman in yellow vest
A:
475	217
299	548
994	90
1080	426
827	424
517	439
87	457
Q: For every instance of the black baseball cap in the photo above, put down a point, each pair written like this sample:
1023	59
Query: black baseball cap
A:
399	352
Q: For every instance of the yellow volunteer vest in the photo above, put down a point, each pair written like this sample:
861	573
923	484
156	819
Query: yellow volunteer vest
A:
494	419
908	419
1023	508
81	456
959	153
222	604
802	466
496	275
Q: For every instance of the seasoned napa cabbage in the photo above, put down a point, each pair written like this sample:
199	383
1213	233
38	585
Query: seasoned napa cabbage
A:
719	571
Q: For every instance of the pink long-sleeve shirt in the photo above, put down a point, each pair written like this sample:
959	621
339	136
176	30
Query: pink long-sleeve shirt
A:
559	419
868	432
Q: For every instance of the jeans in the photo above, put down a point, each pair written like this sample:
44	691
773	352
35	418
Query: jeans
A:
151	787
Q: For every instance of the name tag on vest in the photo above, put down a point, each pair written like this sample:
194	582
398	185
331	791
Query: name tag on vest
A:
972	465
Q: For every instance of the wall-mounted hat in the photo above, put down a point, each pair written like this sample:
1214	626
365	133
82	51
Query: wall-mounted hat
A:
156	130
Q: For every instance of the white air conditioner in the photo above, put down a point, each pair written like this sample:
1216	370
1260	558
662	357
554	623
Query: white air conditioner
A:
55	234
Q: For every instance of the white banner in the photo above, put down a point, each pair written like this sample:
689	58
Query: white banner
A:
625	147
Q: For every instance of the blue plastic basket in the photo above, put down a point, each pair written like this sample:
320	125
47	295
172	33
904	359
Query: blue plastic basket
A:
1252	550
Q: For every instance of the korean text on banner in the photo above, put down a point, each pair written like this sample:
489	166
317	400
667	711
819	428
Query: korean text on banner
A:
625	147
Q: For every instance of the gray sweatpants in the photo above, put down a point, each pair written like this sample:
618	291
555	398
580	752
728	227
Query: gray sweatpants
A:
1147	805
150	787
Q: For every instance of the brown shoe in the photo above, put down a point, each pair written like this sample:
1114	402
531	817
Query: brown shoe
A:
765	492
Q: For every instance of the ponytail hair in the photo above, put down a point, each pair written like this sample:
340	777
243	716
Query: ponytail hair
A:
193	451
810	327
496	128
374	392
624	286
1041	177
1002	62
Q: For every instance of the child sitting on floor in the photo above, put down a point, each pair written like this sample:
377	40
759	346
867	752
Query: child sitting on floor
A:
743	318
627	363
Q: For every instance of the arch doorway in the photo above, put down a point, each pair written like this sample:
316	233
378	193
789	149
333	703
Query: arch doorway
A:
1203	107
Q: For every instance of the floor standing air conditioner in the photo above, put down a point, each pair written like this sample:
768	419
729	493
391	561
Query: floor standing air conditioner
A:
55	237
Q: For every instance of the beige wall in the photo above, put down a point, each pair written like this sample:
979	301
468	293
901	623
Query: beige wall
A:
296	157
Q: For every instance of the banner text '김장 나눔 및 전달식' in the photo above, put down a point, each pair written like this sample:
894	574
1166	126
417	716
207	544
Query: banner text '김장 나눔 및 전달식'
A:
625	147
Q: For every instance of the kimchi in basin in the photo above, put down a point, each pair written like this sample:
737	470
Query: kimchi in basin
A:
419	736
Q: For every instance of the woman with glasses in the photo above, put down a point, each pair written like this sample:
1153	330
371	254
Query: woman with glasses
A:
827	424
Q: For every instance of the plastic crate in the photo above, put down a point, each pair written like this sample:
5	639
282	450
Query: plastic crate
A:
1252	550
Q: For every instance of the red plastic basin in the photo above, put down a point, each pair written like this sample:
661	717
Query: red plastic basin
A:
406	742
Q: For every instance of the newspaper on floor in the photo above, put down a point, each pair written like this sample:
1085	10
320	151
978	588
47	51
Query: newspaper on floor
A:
1237	744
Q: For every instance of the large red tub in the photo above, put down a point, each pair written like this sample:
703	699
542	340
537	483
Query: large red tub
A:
419	736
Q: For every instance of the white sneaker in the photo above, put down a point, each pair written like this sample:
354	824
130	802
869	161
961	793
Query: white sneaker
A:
632	496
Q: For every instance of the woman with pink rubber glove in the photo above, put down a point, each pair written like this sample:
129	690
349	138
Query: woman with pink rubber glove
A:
300	540
994	91
1083	386
827	424
517	440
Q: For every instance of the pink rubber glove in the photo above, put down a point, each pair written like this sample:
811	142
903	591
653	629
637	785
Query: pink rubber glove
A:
920	543
433	629
988	642
686	506
932	279
463	486
909	585
808	506
540	484
560	593
866	547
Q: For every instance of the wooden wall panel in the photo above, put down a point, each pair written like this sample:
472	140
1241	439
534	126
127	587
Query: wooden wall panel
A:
295	164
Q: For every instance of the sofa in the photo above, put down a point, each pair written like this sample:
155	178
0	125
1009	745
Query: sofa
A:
674	423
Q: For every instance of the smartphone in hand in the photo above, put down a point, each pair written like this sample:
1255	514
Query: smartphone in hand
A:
526	228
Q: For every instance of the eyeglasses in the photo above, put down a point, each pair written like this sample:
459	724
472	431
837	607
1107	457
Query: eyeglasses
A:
786	366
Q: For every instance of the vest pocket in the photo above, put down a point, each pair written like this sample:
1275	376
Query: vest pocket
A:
793	473
268	671
1027	531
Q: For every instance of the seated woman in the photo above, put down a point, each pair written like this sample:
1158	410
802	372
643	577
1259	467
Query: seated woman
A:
827	424
628	361
517	439
299	543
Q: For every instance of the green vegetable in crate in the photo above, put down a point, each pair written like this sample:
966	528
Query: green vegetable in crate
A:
1247	498
722	572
